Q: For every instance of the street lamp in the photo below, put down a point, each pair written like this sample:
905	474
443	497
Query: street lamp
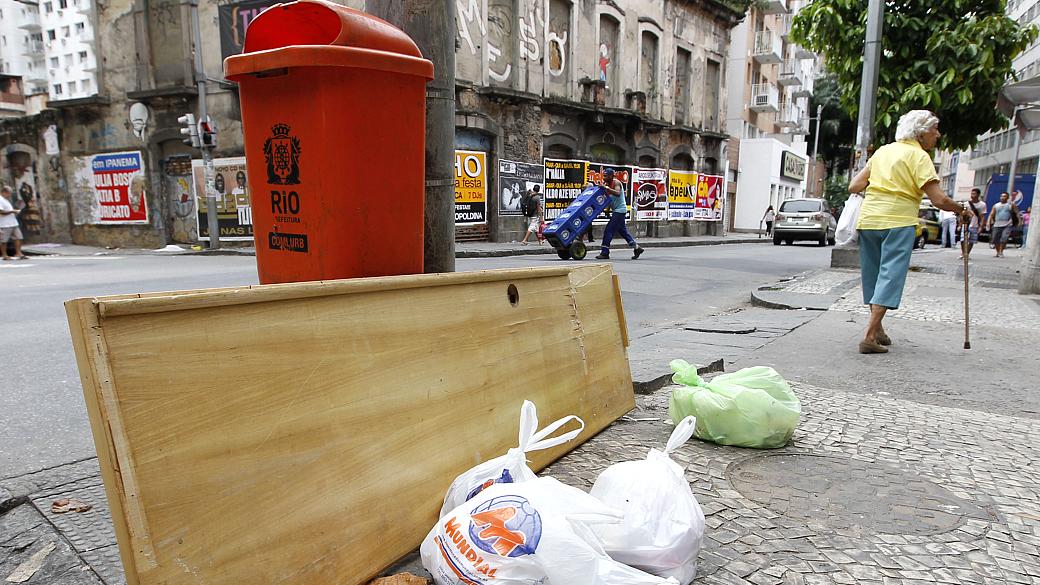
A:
815	148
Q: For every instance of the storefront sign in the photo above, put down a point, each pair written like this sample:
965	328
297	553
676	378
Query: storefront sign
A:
650	187
515	179
564	180
470	187
234	20
110	189
234	209
792	166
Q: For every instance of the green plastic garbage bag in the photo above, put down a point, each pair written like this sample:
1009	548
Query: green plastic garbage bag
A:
753	407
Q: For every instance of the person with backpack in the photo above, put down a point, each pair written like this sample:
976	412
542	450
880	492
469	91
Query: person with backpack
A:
532	208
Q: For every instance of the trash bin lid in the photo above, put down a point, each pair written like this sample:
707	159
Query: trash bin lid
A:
310	33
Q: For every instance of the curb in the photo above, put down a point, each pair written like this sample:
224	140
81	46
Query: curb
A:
644	244
535	250
651	386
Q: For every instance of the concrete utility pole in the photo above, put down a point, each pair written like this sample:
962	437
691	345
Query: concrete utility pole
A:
815	149
208	172
432	26
868	86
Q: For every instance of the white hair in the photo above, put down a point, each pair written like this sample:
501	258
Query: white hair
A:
915	123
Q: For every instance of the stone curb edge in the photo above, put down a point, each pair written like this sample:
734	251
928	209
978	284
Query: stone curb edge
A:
536	249
651	386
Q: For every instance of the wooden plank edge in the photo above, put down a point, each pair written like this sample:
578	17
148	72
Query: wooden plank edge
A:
122	305
622	323
106	427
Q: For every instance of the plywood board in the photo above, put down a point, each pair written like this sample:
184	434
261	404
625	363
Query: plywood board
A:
305	433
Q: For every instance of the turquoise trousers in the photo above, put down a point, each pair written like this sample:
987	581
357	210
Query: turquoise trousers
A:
884	260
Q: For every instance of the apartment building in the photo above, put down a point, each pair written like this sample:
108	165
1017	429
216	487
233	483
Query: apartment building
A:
68	39
994	151
21	45
770	80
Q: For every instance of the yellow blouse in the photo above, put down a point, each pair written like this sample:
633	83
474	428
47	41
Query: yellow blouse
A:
898	173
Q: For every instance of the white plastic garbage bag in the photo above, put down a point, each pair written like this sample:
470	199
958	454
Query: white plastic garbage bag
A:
845	233
663	524
511	467
534	532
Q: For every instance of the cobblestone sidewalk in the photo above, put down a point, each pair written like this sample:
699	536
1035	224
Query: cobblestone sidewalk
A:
870	491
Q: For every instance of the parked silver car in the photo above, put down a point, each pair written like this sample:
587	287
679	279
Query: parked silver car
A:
804	219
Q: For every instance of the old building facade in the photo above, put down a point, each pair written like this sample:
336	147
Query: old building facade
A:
633	82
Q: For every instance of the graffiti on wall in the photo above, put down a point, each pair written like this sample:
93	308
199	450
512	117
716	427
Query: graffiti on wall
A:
177	186
500	25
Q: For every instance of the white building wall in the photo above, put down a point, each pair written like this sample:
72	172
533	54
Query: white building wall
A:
21	46
760	184
69	40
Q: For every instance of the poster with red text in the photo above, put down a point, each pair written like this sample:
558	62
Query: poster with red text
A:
650	187
708	206
110	189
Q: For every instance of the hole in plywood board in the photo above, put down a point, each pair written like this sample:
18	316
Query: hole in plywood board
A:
513	294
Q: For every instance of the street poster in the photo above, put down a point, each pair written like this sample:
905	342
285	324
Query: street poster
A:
682	195
234	209
594	174
651	194
109	189
564	180
234	19
470	187
515	179
709	198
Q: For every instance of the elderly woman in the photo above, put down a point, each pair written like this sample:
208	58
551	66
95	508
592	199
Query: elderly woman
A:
895	179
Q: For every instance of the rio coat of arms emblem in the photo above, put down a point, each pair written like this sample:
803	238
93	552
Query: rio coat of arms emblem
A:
282	152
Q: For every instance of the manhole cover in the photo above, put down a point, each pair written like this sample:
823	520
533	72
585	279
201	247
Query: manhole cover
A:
845	493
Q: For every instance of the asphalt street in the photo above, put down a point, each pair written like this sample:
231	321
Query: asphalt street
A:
42	415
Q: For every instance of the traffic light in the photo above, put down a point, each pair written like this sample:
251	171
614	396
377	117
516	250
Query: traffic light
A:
208	133
190	130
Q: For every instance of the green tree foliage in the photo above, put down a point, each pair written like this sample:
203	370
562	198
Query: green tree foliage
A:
948	56
836	191
838	133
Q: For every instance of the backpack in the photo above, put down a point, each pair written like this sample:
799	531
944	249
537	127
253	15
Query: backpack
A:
528	205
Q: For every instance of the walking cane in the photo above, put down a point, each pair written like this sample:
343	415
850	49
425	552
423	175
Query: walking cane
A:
964	254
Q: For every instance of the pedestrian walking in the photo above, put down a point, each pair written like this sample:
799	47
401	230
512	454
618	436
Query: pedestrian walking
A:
948	228
532	208
974	221
1001	220
9	230
895	179
1025	224
768	218
616	224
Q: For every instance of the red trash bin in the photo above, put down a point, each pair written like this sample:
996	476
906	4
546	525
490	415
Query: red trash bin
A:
334	121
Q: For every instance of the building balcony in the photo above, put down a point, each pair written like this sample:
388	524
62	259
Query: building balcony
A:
35	76
790	75
790	116
34	49
785	27
764	98
801	52
803	91
31	26
768	48
773	6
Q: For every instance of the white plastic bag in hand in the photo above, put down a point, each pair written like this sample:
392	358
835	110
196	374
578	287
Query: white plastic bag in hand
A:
535	532
663	524
511	467
846	233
